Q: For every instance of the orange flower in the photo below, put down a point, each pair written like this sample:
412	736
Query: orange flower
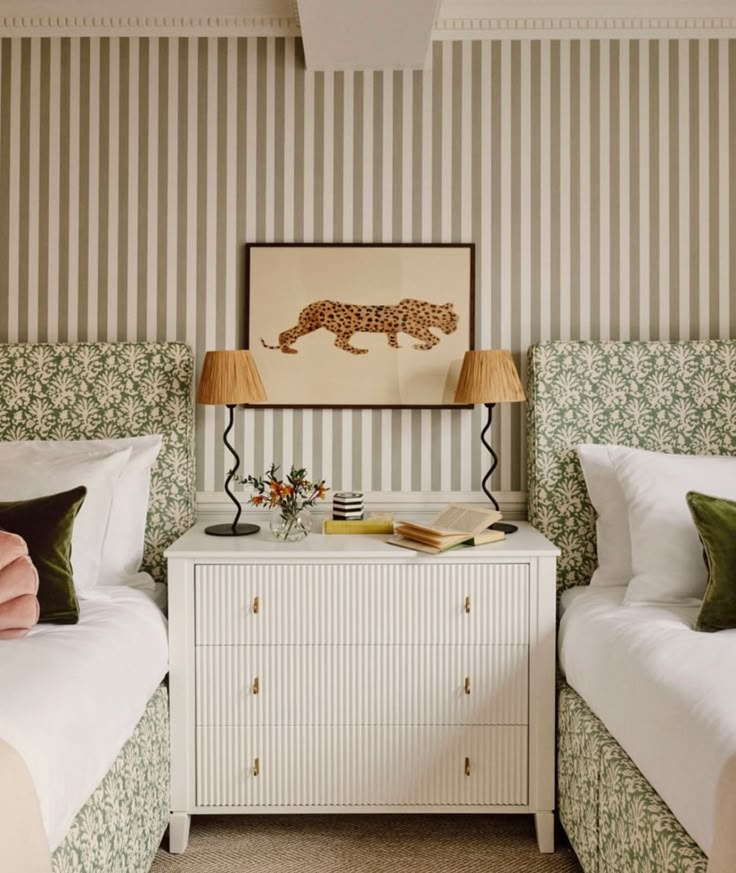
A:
257	500
322	490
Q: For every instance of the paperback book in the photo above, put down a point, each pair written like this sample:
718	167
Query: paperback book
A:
457	526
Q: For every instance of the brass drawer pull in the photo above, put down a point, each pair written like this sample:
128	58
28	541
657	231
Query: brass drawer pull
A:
256	768
467	603
256	686
256	606
467	766
467	684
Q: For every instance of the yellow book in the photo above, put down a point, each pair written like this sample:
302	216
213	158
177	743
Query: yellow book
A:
360	526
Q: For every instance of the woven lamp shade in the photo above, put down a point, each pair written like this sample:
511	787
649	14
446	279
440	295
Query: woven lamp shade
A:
230	378
489	376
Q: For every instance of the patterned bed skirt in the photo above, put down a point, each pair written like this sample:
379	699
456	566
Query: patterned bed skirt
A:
120	827
614	819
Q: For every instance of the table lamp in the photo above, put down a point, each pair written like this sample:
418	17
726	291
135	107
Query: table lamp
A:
230	378
489	376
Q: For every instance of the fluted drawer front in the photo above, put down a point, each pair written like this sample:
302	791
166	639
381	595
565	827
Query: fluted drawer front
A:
361	766
361	685
362	603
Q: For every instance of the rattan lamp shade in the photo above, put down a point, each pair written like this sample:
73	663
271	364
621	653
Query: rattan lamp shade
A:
230	377
489	376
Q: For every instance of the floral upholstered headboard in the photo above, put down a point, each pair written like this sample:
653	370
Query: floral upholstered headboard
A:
675	397
108	390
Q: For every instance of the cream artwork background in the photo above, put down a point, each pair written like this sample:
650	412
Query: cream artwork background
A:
283	280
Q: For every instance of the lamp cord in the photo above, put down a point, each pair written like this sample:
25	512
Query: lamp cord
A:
233	471
487	477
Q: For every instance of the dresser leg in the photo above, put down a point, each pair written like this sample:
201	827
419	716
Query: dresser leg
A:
178	832
544	823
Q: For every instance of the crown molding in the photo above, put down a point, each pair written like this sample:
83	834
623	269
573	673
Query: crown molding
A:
448	28
149	25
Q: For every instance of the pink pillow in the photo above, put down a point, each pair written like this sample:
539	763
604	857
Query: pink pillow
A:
19	608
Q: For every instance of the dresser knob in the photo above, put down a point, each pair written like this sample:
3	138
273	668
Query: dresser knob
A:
256	686
256	606
467	766
467	603
256	768
467	684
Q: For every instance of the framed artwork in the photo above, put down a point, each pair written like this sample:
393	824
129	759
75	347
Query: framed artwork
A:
359	325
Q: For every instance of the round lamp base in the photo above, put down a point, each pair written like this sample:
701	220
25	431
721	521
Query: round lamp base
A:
228	530
505	527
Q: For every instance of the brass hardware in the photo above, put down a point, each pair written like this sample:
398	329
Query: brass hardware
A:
256	687
256	768
256	606
467	603
467	684
467	766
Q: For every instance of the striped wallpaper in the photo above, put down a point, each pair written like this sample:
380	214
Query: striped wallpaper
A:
597	179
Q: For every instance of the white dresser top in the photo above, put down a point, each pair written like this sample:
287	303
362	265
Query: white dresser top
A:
525	543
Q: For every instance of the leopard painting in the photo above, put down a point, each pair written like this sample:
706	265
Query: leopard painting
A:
413	317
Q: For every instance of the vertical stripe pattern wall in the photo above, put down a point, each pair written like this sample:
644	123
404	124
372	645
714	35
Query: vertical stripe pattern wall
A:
597	179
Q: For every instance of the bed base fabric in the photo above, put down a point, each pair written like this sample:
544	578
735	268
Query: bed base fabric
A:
614	819
120	827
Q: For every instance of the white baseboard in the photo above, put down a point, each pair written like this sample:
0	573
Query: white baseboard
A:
513	503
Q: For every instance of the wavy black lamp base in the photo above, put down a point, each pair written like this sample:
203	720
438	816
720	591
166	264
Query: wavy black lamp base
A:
503	526
234	529
231	530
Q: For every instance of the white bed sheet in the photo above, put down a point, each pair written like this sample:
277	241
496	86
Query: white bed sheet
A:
71	695
665	692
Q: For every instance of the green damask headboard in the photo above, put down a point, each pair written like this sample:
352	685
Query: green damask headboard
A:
664	396
109	390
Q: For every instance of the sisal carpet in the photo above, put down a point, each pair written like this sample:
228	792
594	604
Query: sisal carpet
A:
365	844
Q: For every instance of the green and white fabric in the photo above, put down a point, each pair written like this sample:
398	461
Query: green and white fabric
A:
663	396
615	820
70	391
677	397
120	827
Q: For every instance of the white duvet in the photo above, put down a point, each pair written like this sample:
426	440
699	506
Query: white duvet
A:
71	695
665	692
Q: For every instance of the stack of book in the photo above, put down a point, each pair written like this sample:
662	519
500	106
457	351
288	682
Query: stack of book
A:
457	526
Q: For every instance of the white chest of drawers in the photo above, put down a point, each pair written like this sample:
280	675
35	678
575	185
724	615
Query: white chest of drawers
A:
342	674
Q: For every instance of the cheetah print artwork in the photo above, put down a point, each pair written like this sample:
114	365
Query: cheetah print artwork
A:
412	317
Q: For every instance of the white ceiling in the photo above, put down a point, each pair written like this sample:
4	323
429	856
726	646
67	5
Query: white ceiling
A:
345	34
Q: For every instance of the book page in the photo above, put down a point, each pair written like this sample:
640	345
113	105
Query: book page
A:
464	519
430	537
412	544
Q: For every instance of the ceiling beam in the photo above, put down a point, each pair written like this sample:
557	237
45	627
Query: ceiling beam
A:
366	34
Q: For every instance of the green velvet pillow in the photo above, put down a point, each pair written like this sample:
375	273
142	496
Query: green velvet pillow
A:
715	519
46	524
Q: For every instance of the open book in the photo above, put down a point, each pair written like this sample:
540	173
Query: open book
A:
456	526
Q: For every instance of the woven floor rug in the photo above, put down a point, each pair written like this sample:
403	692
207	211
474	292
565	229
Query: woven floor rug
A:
365	844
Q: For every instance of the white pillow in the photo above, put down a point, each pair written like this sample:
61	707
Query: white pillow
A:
27	471
612	524
122	549
666	554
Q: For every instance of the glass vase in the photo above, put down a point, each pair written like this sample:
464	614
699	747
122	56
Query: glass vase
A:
290	527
